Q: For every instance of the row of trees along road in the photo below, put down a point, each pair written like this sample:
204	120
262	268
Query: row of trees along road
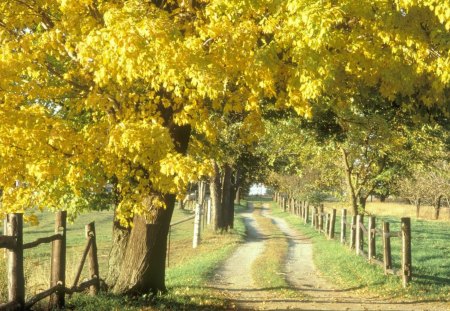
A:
107	103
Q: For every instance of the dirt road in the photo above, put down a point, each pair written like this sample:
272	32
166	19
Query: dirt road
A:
234	279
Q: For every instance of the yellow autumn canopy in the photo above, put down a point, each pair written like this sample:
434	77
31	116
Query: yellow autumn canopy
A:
90	89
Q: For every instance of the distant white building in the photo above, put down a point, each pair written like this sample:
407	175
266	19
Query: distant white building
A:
258	189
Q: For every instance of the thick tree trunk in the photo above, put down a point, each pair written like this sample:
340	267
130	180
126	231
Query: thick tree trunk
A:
137	261
138	255
216	195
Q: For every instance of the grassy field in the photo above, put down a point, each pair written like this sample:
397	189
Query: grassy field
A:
396	209
430	249
189	269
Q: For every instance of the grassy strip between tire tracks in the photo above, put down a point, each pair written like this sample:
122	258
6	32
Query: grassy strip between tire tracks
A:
268	268
341	266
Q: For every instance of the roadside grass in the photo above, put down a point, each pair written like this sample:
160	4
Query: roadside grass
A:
188	271
431	264
268	268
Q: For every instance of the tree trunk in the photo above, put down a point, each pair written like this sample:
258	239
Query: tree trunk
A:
237	198
351	187
354	200
231	208
437	207
180	204
138	255
417	208
227	200
215	187
362	203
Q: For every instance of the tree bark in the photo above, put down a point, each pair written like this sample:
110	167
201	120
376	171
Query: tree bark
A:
351	187
138	255
417	208
215	187
181	204
227	200
437	207
362	202
237	198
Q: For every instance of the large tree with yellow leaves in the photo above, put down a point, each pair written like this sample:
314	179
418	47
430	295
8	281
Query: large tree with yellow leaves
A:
98	95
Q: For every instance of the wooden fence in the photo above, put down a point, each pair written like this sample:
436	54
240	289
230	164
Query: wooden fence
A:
353	232
13	242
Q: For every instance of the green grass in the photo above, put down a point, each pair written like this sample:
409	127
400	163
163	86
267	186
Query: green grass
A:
431	264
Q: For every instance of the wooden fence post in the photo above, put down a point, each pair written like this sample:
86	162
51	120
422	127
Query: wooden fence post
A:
387	258
343	225
209	211
406	250
16	278
93	259
371	234
332	223
353	232
359	232
197	223
327	224
58	264
320	227
306	214
319	222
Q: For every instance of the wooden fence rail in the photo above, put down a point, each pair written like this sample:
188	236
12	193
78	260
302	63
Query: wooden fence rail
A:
13	242
353	232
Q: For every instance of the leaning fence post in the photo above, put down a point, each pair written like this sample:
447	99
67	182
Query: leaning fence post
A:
16	278
327	224
406	250
343	225
371	237
387	258
332	223
93	259
58	264
358	241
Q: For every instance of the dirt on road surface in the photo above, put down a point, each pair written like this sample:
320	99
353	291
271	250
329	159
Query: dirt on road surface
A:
234	279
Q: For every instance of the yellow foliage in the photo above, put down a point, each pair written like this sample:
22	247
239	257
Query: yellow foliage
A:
91	91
